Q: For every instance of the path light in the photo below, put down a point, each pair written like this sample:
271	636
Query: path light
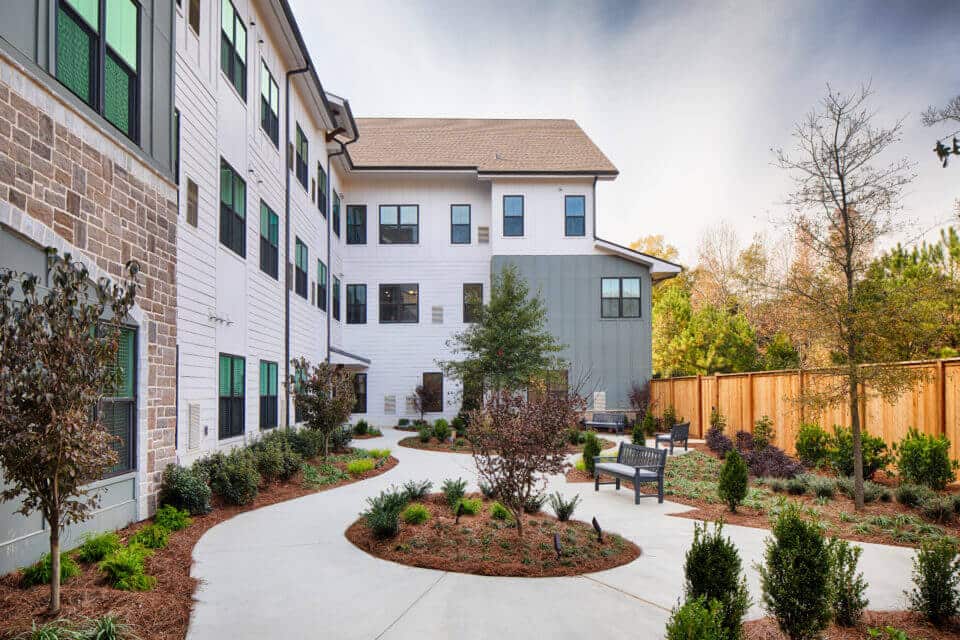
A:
459	512
556	544
596	526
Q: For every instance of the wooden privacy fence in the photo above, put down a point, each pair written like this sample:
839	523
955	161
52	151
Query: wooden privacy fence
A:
932	405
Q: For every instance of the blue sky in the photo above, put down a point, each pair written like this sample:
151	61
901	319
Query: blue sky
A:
686	98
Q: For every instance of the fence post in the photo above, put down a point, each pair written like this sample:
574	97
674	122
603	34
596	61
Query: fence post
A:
800	393
750	419
700	403
942	396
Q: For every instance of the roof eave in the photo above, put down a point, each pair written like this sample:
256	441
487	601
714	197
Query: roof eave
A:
660	269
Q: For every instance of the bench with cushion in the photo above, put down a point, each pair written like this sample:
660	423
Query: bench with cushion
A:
679	432
616	422
634	463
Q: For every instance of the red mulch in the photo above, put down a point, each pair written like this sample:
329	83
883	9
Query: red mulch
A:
161	614
483	546
910	623
413	442
367	436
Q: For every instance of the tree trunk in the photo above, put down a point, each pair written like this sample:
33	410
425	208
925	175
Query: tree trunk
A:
55	565
857	441
326	445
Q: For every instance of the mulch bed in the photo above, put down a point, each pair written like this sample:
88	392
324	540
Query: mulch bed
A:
910	623
161	614
367	436
413	442
481	545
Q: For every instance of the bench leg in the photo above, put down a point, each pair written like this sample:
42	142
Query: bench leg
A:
671	447
660	490
636	492
656	443
685	445
618	484
596	481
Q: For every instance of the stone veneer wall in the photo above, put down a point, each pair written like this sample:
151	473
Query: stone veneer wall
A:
67	171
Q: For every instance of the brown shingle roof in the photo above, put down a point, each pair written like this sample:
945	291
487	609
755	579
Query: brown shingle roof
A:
489	146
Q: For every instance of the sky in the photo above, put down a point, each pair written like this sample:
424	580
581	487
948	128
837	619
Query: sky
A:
687	99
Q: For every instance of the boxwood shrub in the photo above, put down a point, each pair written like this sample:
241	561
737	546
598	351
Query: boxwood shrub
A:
185	488
925	459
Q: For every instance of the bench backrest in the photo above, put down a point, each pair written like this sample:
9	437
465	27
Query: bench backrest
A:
612	418
635	455
680	431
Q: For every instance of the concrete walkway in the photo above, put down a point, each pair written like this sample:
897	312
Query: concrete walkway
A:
287	571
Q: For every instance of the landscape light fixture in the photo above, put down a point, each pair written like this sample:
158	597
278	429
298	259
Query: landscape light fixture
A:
596	526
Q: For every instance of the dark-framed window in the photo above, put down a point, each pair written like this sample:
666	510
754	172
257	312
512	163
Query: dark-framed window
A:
321	190
620	297
356	224
269	104
301	259
233	47
575	215
399	303
117	411
336	213
360	393
399	223
433	381
513	216
232	395
321	285
97	58
336	298
194	16
356	304
472	301
556	385
460	224
233	210
269	241
268	394
303	153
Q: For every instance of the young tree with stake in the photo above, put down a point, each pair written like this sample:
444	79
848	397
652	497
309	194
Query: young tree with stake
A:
324	395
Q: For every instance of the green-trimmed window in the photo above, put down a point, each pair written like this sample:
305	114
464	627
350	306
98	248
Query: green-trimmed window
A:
321	189
233	210
232	395
303	152
268	394
102	71
269	241
118	411
336	298
321	285
336	213
356	224
269	104
233	47
301	258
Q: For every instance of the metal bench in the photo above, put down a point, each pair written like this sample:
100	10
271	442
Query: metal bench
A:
679	432
634	463
614	421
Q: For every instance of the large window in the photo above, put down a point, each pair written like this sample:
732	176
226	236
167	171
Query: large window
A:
269	241
399	303
356	224
321	189
336	213
472	301
102	71
303	152
574	216
556	385
513	215
360	393
301	259
399	224
233	47
433	382
356	304
232	395
321	285
233	210
268	394
336	298
620	298
118	410
460	223
269	104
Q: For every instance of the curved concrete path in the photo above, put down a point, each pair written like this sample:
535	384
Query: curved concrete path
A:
287	571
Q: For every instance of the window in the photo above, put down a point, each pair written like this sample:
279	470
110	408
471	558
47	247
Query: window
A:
102	71
399	303
399	224
118	411
620	298
336	298
321	285
513	215
232	395
269	241
193	203
300	279
322	194
302	154
472	301
233	210
433	383
574	216
336	213
460	223
556	385
268	394
360	393
298	376
233	47
269	104
356	304
356	224
194	11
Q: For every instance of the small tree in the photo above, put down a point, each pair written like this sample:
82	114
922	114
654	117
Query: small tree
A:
714	572
58	359
846	584
324	395
517	441
936	574
732	486
423	398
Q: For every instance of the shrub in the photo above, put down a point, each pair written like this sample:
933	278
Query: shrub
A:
638	435
414	490
717	440
415	514
361	428
307	442
772	461
125	569
743	441
795	576
821	487
275	459
184	488
925	459
912	495
97	547
356	467
778	485
714	573
796	486
425	432
340	439
763	433
846	584
669	417
234	477
935	578
471	506
441	429
499	512
938	509
40	571
875	455
562	507
871	490
533	504
171	518
403	422
488	490
459	424
108	627
696	620
591	448
649	424
383	513
732	486
152	536
379	454
580	464
453	490
813	445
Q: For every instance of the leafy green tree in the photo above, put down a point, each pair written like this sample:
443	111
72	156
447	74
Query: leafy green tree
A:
780	353
58	360
324	396
714	572
732	486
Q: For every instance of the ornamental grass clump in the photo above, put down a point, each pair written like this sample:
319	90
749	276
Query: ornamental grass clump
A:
913	495
732	486
41	572
453	490
125	569
936	573
535	503
714	573
363	465
414	490
846	583
925	460
152	536
499	512
97	547
171	518
383	513
415	514
470	506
